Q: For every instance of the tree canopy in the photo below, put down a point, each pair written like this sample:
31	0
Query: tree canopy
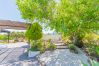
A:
65	16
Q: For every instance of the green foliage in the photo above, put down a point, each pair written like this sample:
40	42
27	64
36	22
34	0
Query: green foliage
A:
34	32
40	46
12	36
76	16
68	17
48	45
51	46
42	50
35	9
90	37
34	46
66	39
93	63
84	64
3	37
71	46
37	46
17	35
97	50
93	50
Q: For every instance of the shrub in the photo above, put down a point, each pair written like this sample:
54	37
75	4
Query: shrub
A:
34	47
93	50
97	50
33	34
52	47
5	37
48	45
66	39
39	46
42	50
93	63
72	48
90	38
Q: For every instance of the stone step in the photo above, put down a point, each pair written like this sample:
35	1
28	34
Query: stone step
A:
60	44
57	41
61	47
60	41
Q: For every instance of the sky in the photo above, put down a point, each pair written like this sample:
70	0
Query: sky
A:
9	11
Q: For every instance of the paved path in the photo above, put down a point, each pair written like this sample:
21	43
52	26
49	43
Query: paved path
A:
63	57
16	55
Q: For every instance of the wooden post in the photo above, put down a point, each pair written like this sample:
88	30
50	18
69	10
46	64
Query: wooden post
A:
8	37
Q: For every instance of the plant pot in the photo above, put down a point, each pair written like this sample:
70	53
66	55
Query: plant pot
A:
33	53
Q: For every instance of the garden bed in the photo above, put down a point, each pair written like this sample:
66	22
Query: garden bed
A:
91	54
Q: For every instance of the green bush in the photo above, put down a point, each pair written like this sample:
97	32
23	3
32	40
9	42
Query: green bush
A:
71	46
93	50
42	50
12	36
38	47
33	34
52	47
4	37
97	50
48	45
34	47
93	63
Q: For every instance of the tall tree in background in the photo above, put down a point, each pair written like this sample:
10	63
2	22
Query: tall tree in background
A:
69	17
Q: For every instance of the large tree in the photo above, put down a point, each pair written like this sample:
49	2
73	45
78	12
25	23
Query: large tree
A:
69	17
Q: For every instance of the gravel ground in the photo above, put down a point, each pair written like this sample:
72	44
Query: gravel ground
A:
63	57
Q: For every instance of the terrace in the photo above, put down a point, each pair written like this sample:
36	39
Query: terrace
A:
73	42
16	53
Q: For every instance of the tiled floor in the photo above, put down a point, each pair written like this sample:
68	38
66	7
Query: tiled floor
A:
16	56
